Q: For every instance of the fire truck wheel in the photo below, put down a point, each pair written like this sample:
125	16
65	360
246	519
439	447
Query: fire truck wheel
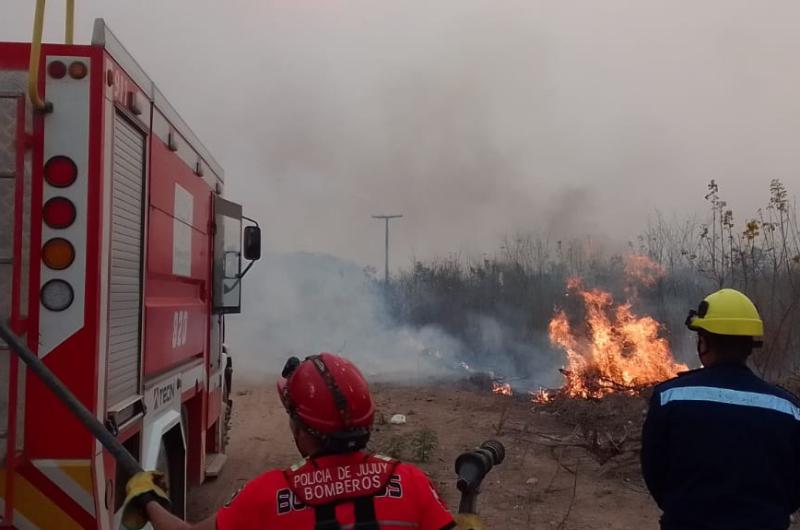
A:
227	413
162	465
185	420
170	462
227	405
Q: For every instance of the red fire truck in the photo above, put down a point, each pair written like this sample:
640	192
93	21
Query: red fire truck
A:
119	259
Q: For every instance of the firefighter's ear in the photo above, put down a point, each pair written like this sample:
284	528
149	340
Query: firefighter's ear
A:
702	346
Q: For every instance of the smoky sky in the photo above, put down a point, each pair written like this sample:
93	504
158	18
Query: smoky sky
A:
473	118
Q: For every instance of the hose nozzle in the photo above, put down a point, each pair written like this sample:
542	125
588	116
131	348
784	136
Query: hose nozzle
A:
472	467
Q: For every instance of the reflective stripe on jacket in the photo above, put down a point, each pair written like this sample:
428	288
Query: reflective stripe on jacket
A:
721	450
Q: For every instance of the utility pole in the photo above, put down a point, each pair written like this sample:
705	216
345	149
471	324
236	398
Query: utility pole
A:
386	219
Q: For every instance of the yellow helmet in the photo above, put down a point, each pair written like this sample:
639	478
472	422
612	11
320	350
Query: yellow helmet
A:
727	312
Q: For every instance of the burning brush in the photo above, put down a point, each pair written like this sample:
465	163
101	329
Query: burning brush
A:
614	350
504	390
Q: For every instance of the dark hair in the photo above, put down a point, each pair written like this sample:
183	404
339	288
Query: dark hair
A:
347	442
336	443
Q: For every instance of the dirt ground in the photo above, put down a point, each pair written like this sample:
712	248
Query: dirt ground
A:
535	487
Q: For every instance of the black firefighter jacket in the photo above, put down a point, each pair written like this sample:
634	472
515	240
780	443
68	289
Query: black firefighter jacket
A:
721	450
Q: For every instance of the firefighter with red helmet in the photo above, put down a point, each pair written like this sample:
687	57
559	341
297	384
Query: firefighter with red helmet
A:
337	485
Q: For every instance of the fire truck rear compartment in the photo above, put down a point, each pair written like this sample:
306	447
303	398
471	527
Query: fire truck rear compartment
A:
156	266
125	302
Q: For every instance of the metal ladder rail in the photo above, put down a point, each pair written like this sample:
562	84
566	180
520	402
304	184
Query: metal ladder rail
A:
16	323
9	432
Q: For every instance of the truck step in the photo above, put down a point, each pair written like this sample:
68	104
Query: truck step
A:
214	464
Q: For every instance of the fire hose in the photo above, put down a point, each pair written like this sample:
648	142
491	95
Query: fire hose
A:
124	459
471	468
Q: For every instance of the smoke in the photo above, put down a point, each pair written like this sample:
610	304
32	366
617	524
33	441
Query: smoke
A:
477	118
496	348
474	118
304	303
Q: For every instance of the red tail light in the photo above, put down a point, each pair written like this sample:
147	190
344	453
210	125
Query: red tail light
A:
57	69
60	171
59	212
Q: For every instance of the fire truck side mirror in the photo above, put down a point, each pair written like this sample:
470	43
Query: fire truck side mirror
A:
252	243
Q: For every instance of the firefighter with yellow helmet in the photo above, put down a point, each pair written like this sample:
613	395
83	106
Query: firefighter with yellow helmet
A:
721	446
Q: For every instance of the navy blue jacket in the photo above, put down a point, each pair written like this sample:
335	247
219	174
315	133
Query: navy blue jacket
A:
721	450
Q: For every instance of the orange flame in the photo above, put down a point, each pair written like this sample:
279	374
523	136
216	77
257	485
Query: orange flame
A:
503	389
643	269
541	396
617	350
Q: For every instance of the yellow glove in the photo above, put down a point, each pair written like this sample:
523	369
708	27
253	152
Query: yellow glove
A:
141	489
469	521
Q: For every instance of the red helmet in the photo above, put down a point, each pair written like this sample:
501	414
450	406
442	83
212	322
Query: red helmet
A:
328	395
